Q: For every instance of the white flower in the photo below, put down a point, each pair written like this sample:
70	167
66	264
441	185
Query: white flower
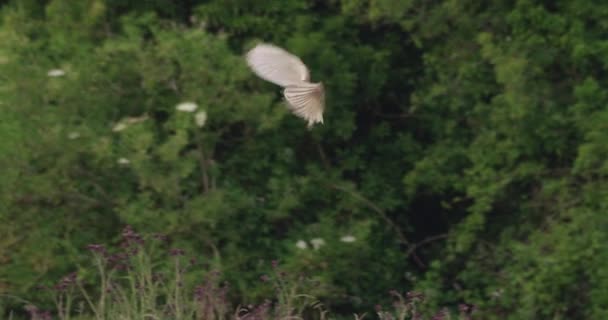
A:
301	244
128	121
55	73
200	118
123	161
119	127
186	107
497	293
134	120
348	238
317	243
73	135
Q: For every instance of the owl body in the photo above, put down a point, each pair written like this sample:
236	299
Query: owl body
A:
304	99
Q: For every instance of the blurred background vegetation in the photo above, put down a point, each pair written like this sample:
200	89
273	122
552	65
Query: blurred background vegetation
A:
463	154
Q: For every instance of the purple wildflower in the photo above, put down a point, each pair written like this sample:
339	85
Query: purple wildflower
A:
176	252
66	282
199	293
466	310
441	315
97	248
37	314
131	237
414	295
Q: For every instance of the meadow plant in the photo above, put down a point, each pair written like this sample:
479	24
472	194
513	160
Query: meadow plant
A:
406	307
139	281
136	281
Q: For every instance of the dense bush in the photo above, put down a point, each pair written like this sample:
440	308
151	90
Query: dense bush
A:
462	155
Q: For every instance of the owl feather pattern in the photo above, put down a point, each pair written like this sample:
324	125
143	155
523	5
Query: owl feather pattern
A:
304	99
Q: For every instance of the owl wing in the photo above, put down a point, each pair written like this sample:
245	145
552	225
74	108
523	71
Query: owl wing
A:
307	101
276	65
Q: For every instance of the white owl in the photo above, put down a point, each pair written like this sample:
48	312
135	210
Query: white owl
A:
305	99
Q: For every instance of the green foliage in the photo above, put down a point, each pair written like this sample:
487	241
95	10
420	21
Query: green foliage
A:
464	146
146	278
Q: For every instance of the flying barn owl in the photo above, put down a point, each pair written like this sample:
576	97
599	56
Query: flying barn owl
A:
304	99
